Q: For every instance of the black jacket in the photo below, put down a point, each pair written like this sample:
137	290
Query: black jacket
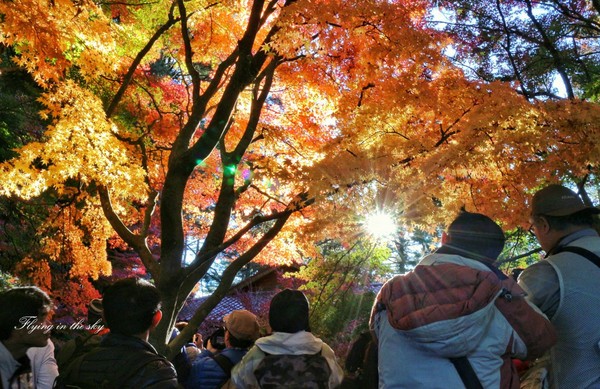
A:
121	362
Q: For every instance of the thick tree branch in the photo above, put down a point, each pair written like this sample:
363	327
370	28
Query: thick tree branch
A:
137	242
226	282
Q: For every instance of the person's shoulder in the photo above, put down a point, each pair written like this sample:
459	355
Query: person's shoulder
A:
540	266
36	351
234	353
327	351
124	355
162	366
539	280
203	361
249	360
157	372
537	271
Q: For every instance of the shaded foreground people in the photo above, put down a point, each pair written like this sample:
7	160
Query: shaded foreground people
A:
361	363
124	358
26	353
565	284
212	369
455	320
291	357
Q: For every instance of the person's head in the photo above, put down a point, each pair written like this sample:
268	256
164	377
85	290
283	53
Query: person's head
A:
17	305
289	312
557	211
216	339
180	325
241	329
358	350
94	311
475	236
131	307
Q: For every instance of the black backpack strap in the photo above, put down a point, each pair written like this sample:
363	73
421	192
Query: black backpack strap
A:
581	251
466	373
224	363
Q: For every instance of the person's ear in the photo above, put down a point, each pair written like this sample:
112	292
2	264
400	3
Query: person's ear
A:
444	237
543	225
227	339
156	319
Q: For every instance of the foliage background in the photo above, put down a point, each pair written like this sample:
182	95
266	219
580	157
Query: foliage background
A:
166	139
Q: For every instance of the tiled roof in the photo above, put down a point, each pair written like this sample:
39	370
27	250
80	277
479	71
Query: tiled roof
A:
255	302
374	287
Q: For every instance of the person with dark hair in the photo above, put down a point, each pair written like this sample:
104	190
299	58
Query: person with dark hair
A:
26	353
124	358
291	357
564	284
192	346
361	363
212	368
94	318
131	306
455	320
188	353
215	341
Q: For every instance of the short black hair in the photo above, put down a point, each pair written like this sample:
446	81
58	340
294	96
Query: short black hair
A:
239	343
584	218
289	312
18	302
129	306
216	338
476	235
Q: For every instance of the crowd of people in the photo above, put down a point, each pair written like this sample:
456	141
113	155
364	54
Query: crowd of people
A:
454	321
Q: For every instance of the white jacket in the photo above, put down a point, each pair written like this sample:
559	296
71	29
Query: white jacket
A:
44	369
281	343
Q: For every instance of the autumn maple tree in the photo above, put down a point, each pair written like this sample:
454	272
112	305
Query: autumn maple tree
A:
234	125
532	44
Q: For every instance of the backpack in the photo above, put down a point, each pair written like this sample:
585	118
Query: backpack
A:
76	347
307	371
70	351
226	365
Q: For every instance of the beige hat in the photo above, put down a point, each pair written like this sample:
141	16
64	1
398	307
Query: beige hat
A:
242	324
556	200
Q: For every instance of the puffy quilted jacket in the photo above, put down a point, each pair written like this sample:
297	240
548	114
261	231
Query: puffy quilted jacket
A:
206	372
448	307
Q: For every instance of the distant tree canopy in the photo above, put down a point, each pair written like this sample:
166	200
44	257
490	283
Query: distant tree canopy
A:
241	124
529	44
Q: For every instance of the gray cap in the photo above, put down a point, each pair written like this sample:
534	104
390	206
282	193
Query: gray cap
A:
556	200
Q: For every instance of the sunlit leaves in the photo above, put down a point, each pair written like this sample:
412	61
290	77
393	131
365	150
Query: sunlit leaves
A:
50	37
79	241
80	144
36	271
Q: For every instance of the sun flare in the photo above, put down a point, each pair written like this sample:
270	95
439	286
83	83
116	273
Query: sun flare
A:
380	225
